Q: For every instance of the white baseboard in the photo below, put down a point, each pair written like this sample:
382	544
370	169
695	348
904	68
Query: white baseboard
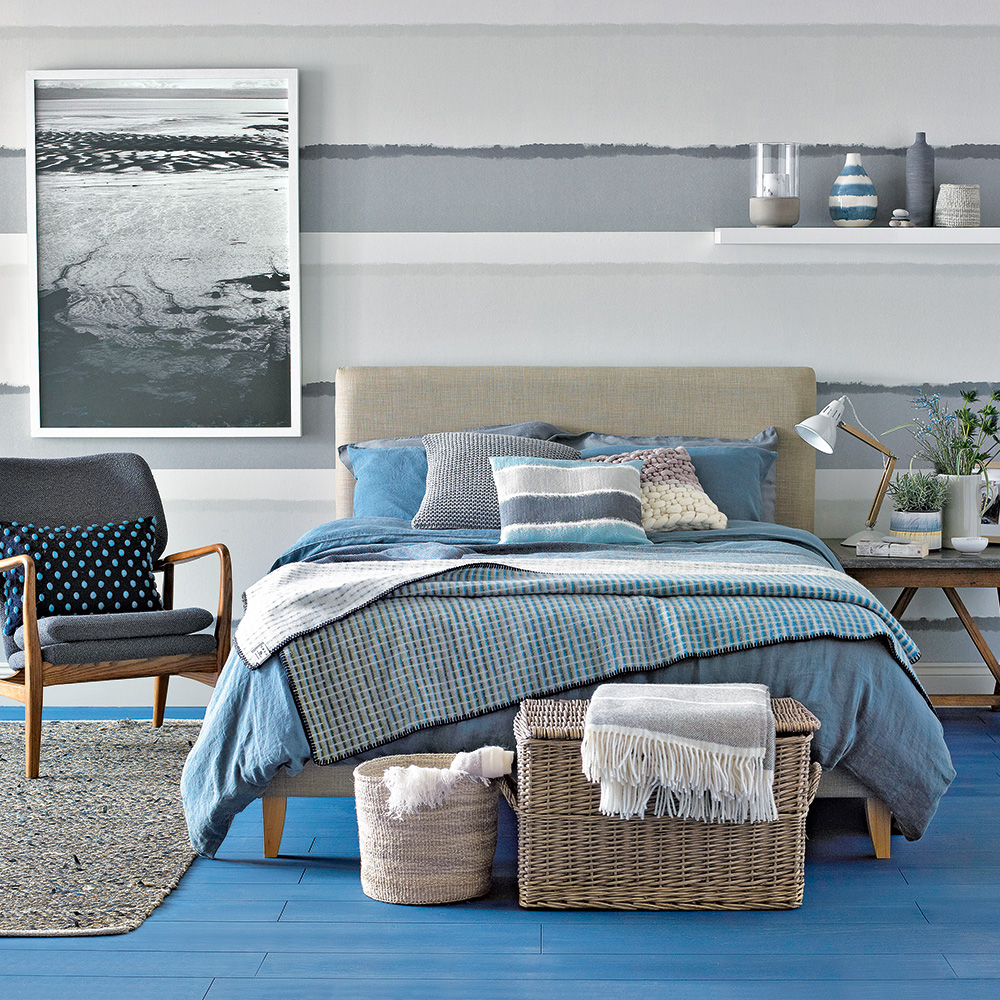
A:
955	678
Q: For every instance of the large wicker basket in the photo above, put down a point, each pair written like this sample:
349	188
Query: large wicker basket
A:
437	855
572	857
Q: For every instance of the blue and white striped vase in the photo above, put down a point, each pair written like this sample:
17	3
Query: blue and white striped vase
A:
853	201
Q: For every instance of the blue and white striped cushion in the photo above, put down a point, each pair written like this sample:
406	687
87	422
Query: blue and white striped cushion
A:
552	500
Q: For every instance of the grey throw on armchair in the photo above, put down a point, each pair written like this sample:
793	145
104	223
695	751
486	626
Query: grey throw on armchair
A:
61	635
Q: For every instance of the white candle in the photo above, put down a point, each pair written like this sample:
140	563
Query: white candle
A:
774	185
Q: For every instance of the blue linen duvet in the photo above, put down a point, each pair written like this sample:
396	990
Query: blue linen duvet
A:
877	723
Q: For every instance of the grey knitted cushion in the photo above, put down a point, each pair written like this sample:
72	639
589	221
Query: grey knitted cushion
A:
120	649
460	488
133	625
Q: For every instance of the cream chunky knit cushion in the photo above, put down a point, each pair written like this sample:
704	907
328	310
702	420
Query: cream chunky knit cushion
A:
672	496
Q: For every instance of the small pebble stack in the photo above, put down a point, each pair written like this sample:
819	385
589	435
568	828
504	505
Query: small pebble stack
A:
901	219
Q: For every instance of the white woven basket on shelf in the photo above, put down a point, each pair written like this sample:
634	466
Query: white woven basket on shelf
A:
440	855
957	206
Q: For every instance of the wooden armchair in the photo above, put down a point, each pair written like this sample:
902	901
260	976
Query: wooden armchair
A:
102	489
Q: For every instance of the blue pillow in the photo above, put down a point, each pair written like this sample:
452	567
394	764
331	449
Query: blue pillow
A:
81	570
390	481
766	439
552	500
734	476
528	429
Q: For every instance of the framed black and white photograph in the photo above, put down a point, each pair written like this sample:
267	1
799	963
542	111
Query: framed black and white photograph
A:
165	234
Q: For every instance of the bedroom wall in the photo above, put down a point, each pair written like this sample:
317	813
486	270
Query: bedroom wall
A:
601	155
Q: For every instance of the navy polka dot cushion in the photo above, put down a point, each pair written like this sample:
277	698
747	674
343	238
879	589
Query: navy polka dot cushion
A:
98	569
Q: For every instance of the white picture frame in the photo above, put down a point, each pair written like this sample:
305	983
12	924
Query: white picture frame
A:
163	236
990	526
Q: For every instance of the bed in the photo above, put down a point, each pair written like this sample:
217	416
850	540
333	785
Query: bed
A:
882	740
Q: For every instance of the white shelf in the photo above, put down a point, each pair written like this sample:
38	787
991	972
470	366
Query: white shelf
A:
869	236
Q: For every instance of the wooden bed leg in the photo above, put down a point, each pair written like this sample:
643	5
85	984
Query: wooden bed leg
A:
879	826
273	807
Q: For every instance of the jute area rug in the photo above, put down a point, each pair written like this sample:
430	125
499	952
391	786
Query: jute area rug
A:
98	840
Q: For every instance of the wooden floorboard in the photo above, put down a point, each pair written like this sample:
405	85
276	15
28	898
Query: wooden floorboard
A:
502	988
100	987
920	926
63	962
617	968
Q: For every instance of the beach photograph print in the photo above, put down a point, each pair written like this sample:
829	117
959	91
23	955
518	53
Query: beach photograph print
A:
166	240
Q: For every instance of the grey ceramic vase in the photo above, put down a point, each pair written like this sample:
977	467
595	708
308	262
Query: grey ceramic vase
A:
920	182
962	514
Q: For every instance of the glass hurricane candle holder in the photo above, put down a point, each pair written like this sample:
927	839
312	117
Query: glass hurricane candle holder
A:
775	201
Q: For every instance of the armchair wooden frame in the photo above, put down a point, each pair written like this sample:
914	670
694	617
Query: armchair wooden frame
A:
26	685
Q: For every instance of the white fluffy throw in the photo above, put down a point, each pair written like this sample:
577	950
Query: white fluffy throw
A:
414	787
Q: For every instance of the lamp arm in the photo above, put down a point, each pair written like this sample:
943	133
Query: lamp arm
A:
890	464
867	438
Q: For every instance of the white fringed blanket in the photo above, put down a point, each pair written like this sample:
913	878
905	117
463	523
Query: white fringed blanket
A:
700	751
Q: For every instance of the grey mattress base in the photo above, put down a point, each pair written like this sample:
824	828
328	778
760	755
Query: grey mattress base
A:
338	779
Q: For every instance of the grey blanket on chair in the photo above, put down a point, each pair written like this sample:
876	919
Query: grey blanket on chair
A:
701	751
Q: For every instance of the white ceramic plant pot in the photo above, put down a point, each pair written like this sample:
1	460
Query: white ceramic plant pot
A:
917	526
963	510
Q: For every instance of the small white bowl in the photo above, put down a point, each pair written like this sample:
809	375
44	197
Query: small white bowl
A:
970	543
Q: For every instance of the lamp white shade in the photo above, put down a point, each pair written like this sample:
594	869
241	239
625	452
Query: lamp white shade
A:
821	430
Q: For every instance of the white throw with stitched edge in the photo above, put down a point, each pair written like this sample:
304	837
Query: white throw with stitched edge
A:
700	751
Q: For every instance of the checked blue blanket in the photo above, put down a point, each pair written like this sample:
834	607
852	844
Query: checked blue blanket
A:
374	651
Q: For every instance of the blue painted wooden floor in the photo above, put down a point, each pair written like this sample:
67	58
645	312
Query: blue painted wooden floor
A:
920	926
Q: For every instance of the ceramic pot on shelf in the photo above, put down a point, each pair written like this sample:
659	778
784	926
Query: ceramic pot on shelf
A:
962	514
853	200
957	206
916	526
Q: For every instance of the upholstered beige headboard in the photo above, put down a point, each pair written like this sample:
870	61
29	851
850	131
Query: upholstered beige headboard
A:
710	402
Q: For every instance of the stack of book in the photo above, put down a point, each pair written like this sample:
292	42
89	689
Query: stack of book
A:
906	550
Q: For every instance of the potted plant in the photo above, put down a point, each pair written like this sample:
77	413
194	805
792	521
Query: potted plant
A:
917	500
960	446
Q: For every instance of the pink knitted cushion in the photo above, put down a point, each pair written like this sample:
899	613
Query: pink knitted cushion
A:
672	495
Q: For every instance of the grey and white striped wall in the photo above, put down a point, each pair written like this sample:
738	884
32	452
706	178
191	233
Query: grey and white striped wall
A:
538	184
